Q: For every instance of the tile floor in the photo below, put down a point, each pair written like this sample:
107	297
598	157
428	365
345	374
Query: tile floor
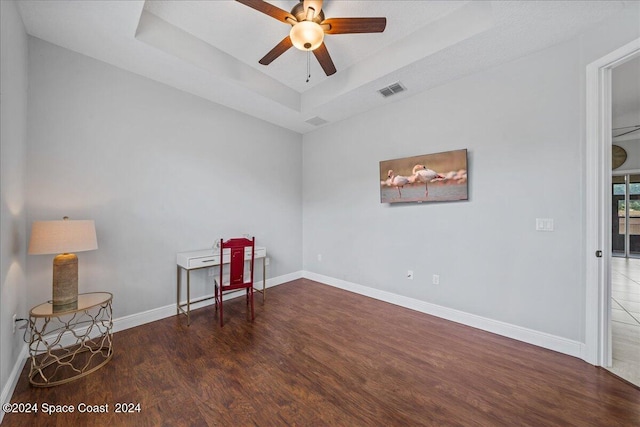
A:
625	315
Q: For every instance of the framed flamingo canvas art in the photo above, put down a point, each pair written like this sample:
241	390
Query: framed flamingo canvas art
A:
434	177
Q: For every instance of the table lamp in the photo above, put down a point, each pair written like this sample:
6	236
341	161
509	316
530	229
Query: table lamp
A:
63	238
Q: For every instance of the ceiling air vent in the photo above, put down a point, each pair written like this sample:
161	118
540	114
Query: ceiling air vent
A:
316	121
392	89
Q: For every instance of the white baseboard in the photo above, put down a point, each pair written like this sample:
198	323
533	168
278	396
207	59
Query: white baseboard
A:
284	279
10	385
540	339
584	354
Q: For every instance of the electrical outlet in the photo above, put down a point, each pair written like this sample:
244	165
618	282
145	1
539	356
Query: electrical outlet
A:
266	261
544	224
320	257
410	274
14	323
436	279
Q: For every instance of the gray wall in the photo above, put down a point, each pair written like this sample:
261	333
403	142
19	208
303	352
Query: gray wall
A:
13	136
490	259
159	170
523	124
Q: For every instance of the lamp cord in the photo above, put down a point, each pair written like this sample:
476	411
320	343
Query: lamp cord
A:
24	335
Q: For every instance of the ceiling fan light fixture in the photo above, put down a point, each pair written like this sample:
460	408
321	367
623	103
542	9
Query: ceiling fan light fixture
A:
306	35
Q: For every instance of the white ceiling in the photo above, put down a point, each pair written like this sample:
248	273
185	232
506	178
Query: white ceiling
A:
211	48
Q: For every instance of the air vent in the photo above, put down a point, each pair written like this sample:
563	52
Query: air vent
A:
316	121
392	89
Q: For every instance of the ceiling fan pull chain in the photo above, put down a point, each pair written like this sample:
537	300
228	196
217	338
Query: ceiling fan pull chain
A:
308	65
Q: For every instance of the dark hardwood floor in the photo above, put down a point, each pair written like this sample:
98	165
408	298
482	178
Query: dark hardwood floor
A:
320	356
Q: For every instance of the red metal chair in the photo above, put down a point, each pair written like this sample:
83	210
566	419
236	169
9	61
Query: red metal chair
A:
232	254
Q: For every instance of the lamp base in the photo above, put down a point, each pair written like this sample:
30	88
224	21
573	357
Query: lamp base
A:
65	280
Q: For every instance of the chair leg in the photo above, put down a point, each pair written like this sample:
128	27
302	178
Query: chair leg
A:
251	298
221	314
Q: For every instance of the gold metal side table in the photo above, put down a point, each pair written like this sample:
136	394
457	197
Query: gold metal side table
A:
69	344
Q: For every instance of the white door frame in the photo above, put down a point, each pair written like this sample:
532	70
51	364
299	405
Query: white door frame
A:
597	349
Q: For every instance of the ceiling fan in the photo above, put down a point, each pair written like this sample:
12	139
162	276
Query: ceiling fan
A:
308	28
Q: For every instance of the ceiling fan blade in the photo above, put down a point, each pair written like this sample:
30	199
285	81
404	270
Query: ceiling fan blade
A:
354	25
280	48
268	9
315	4
323	57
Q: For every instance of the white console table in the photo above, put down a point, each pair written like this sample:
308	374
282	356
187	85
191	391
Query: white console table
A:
204	258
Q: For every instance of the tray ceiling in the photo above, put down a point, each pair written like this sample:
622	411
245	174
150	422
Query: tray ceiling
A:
211	48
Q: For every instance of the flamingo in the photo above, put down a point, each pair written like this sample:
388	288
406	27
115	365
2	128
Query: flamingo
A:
397	181
450	175
387	182
422	174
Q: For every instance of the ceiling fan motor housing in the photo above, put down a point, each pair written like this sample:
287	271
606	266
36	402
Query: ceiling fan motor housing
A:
298	12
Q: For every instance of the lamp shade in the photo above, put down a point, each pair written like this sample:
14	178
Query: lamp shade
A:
64	236
306	35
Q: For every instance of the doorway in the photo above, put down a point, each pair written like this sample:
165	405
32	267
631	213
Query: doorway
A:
625	275
599	205
625	225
